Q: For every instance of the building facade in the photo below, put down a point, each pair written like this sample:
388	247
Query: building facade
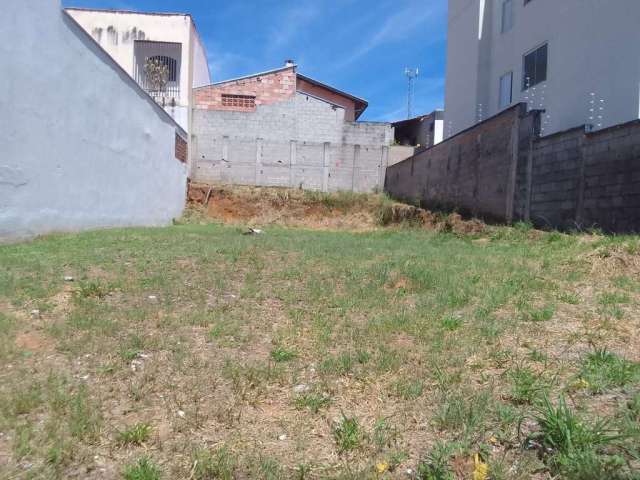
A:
140	41
576	59
93	152
279	128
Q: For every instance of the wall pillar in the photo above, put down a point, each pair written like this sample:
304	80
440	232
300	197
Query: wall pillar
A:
258	177
325	167
292	161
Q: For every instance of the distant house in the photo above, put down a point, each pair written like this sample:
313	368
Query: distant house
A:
281	128
83	145
423	131
576	59
136	39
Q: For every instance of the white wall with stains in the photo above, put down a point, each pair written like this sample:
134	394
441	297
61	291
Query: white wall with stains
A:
117	32
81	145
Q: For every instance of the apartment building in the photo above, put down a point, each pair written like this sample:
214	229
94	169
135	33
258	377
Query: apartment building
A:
576	59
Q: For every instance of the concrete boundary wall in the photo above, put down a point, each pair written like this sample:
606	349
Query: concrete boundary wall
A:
501	169
95	152
302	142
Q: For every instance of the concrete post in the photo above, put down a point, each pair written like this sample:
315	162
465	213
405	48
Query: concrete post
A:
581	182
292	162
325	167
382	167
513	169
258	178
356	156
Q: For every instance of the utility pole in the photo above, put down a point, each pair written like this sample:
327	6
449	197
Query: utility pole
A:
411	75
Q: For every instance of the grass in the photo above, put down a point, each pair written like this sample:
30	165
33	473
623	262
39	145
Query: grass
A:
243	352
603	370
135	435
143	469
347	434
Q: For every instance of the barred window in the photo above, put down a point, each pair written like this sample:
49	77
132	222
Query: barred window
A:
170	63
239	101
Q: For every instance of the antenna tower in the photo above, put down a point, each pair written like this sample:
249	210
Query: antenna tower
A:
411	75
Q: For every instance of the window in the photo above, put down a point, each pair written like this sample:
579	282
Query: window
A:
506	90
238	101
507	15
527	1
170	63
535	67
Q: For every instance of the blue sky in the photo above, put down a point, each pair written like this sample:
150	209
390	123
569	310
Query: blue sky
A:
360	46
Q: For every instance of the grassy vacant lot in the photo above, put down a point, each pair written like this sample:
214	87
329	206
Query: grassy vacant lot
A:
195	352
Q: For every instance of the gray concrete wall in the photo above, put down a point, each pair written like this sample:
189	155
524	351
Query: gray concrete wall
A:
474	171
503	170
303	143
588	180
81	146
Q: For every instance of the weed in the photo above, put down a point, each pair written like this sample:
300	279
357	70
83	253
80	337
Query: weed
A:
219	465
143	469
526	386
542	314
384	435
22	441
575	448
569	298
435	465
341	364
633	406
84	416
409	389
614	298
281	354
136	435
312	401
451	323
92	289
347	434
464	413
603	370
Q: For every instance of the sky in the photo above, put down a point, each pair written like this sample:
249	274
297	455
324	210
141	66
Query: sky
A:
359	46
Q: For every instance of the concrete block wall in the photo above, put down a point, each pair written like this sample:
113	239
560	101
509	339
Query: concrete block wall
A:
588	180
303	142
474	171
502	169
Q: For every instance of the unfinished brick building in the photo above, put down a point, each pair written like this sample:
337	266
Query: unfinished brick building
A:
280	128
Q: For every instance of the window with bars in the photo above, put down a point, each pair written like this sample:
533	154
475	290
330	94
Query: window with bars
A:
238	101
170	63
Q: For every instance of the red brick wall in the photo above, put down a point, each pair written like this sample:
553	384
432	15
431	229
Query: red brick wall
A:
181	149
270	88
332	97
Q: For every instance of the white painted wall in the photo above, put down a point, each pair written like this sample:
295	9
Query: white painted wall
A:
593	48
116	31
88	153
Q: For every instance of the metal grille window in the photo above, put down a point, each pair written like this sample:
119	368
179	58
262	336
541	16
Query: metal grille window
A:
170	63
238	101
535	67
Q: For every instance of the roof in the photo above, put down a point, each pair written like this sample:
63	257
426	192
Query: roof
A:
135	12
437	114
361	104
245	77
359	101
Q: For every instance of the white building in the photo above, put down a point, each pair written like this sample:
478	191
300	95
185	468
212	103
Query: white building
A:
577	59
133	38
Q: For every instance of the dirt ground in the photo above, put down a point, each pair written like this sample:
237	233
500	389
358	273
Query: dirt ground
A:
261	206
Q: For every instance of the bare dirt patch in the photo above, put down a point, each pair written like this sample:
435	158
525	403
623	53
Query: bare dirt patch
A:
334	211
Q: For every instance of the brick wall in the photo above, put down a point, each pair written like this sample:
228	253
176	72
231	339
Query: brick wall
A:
267	89
181	149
